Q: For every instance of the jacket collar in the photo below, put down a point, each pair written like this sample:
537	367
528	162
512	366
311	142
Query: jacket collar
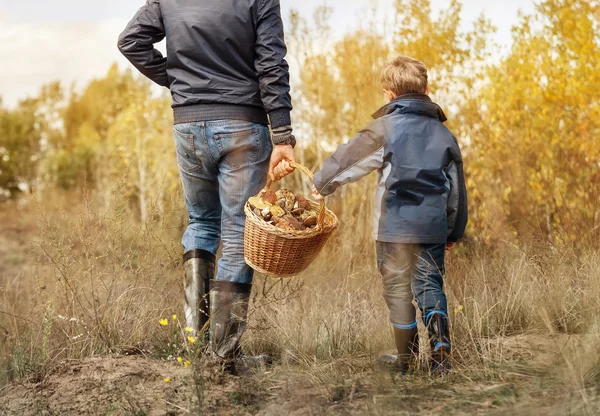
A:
412	104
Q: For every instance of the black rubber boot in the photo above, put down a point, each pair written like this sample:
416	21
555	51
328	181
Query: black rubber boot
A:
407	343
439	339
199	269
229	309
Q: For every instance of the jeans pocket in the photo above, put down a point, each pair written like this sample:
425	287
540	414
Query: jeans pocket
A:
239	148
186	149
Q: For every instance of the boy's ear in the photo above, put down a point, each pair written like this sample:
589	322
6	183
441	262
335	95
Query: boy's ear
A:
389	95
427	90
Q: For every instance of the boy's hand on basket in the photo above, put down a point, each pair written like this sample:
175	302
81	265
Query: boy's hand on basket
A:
281	157
316	195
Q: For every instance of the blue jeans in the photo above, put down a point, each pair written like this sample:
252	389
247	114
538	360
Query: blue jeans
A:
412	266
428	281
222	163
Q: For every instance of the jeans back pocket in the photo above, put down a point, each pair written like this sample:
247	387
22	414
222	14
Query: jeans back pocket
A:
239	148
186	149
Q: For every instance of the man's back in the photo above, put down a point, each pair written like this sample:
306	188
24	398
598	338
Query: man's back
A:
225	58
210	51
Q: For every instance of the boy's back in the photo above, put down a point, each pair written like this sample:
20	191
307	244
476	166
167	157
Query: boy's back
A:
420	191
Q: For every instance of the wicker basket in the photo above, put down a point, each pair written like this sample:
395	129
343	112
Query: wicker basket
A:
283	253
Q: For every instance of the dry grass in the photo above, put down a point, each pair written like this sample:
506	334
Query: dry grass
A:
84	284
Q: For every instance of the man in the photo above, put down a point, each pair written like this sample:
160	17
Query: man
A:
226	69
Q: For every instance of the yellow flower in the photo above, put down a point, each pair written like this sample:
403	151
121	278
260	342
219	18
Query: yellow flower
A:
186	364
174	317
179	359
191	339
164	322
167	379
458	309
188	329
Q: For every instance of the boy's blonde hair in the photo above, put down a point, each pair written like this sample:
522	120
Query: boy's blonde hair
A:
404	75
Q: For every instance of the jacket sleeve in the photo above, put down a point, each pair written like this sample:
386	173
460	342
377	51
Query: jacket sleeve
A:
270	64
458	215
138	39
352	161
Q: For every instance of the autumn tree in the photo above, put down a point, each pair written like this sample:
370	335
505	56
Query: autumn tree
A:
85	121
140	152
534	128
25	131
19	147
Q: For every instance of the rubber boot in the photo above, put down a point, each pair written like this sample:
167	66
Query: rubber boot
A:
439	339
229	310
407	344
199	270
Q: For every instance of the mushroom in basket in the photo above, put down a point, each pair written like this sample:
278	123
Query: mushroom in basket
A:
284	209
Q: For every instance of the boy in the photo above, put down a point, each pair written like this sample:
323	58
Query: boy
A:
420	205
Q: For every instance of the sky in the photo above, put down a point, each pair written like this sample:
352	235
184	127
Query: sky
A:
73	41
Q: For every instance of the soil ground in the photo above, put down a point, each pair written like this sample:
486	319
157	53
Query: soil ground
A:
135	385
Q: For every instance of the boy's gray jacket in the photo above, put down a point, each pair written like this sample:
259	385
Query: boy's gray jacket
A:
225	58
421	196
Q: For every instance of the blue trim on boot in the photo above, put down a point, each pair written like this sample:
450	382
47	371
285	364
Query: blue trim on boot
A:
410	326
440	345
436	312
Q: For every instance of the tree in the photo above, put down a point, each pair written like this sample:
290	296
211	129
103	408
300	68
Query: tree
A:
534	153
140	151
20	138
84	124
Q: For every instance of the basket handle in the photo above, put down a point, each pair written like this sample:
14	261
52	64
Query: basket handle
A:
308	173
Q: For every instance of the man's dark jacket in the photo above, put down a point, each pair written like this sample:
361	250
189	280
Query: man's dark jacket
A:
225	58
421	197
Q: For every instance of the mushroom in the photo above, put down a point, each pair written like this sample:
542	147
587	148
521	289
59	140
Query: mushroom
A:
303	202
266	213
290	223
288	196
295	223
269	196
276	211
297	212
310	222
259	203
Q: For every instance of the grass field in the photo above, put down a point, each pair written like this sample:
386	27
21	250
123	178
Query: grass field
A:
82	291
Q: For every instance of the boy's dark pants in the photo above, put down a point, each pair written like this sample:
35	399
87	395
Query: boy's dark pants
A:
415	270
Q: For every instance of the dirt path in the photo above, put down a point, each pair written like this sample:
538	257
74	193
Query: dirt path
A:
134	385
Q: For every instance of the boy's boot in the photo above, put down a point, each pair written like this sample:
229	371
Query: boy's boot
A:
407	343
229	309
199	270
439	339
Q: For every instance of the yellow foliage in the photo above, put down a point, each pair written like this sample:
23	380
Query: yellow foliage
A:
528	121
533	127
